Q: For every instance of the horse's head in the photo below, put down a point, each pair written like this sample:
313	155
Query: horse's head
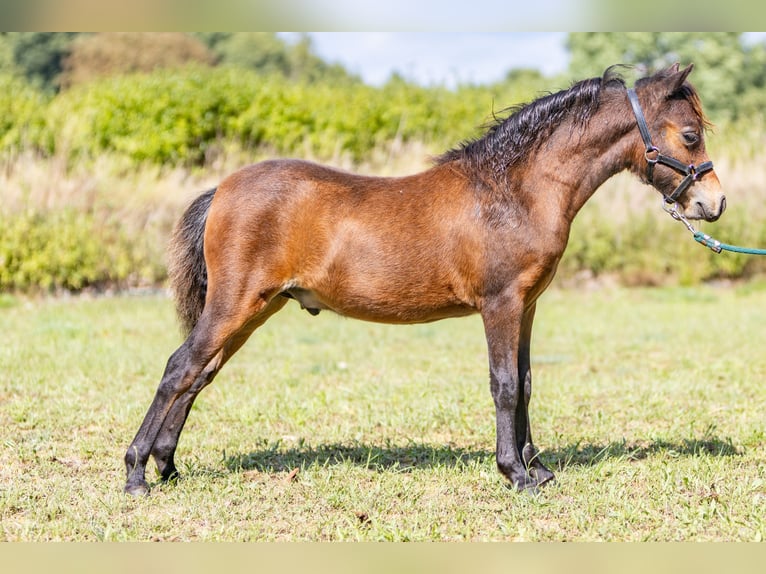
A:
670	154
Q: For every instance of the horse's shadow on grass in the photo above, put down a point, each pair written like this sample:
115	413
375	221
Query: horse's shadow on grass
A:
579	455
374	457
414	456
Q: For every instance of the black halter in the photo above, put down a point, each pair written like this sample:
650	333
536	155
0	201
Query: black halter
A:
653	155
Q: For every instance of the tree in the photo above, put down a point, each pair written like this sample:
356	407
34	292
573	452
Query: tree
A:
268	53
107	54
7	63
724	66
262	51
40	55
306	65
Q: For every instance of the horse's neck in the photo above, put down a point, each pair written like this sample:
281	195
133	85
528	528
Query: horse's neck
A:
574	165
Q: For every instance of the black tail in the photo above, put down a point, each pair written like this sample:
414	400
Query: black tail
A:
186	262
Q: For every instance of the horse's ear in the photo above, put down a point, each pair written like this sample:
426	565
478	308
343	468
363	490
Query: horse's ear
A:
677	77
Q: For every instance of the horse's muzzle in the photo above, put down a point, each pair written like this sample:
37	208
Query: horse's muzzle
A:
700	209
716	212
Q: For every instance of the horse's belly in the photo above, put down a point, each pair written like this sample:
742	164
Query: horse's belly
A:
381	308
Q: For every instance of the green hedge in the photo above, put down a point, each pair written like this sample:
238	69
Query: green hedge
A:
22	114
176	117
162	118
71	250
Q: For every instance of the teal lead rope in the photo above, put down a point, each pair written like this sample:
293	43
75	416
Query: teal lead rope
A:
717	246
705	239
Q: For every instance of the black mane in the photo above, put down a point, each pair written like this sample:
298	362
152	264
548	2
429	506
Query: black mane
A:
510	139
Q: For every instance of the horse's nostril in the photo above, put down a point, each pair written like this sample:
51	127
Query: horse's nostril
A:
723	205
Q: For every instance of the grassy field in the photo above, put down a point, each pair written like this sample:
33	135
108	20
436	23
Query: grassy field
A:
648	404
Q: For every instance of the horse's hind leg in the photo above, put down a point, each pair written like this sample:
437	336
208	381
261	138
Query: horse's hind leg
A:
221	320
164	447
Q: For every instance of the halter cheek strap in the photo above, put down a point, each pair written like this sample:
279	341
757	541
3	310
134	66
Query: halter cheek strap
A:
653	155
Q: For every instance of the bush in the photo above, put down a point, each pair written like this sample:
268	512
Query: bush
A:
178	117
167	118
22	114
69	250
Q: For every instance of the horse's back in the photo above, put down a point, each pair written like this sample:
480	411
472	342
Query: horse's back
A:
283	178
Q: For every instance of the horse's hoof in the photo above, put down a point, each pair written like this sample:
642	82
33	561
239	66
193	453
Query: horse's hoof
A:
527	485
533	482
542	475
535	488
137	490
532	490
548	481
170	476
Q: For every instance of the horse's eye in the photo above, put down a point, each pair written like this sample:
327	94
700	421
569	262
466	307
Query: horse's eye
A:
691	138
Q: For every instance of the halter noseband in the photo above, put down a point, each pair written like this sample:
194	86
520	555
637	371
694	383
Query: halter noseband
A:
653	155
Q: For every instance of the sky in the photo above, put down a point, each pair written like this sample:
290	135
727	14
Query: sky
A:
446	58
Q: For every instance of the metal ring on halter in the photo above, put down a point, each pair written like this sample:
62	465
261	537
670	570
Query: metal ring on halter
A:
649	150
694	172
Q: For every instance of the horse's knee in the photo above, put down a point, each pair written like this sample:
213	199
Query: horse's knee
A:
504	394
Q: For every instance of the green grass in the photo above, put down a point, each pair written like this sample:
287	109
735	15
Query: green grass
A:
648	404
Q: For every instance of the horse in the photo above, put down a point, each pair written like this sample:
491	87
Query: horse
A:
482	230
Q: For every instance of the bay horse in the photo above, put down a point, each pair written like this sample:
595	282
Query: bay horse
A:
481	231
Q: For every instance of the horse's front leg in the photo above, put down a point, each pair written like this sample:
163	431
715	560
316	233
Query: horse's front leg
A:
503	318
528	452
